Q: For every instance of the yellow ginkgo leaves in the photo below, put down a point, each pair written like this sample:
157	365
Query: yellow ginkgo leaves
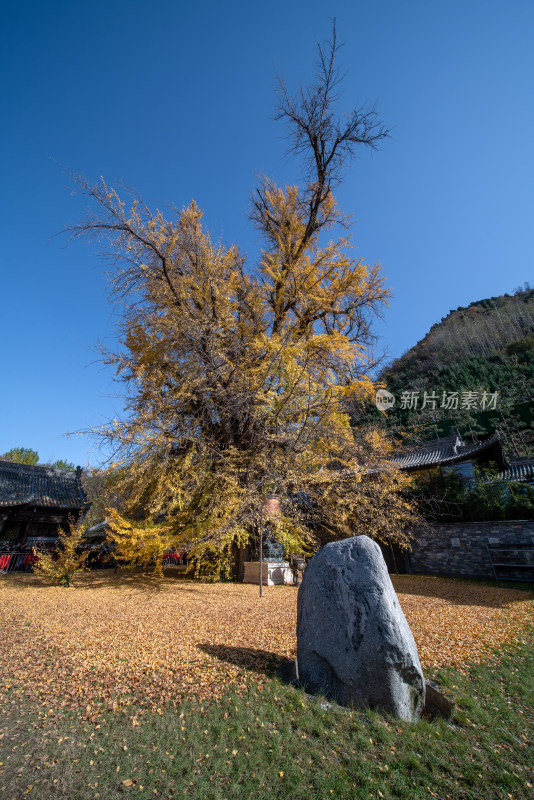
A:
90	649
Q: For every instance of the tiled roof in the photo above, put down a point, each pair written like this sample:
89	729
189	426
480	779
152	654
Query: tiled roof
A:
448	450
42	487
521	470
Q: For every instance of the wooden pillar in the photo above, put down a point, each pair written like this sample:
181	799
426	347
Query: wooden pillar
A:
24	535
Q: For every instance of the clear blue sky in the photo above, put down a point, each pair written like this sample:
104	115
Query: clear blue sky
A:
176	100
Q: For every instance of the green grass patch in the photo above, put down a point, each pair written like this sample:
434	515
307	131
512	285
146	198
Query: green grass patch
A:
277	742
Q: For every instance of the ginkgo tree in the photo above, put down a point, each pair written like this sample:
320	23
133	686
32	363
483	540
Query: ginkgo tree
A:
237	377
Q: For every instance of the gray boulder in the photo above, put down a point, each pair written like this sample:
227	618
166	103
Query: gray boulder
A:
353	641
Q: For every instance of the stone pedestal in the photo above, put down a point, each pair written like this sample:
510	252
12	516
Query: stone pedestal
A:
274	573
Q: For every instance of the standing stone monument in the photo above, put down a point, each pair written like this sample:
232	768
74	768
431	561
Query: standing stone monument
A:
353	641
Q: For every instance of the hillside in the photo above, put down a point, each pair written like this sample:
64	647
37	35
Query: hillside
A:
485	349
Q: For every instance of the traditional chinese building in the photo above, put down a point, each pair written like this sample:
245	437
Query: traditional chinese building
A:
35	501
501	549
521	470
452	452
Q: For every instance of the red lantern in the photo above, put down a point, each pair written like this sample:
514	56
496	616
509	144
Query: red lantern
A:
271	507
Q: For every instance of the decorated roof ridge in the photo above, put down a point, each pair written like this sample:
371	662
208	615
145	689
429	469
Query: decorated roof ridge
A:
40	467
452	439
41	486
448	450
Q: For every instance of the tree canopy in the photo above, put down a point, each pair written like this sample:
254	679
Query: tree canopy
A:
237	377
22	455
25	455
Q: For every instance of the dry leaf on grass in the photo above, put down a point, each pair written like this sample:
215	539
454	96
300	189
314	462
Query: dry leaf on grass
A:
130	639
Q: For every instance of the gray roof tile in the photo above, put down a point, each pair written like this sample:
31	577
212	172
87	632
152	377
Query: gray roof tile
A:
521	470
40	486
449	450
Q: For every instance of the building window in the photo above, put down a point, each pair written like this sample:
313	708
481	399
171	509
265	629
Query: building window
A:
464	470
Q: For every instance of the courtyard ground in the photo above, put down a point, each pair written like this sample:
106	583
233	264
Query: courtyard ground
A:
134	639
130	684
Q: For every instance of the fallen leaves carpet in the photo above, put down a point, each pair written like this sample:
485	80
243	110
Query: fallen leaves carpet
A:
136	641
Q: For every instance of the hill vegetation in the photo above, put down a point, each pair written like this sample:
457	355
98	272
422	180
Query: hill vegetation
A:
473	370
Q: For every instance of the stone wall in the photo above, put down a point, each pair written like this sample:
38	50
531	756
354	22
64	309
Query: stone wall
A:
461	549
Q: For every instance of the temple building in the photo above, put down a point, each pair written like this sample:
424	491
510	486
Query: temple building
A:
35	501
452	452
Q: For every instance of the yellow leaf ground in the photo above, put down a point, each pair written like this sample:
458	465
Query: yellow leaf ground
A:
136	640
